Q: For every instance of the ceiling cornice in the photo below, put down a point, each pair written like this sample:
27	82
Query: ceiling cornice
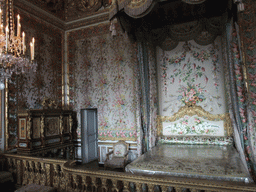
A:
35	11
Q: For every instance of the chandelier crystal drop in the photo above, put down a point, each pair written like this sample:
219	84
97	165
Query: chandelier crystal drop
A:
13	46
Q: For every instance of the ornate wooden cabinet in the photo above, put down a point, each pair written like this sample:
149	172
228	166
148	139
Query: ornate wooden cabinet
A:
46	131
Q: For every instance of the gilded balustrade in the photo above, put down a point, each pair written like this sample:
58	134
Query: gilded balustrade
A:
64	176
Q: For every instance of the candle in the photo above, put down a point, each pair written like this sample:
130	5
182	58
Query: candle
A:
33	41
31	51
23	42
7	32
18	25
0	16
18	32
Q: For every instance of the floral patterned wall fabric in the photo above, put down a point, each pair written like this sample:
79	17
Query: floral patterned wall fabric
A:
191	74
27	91
247	23
103	75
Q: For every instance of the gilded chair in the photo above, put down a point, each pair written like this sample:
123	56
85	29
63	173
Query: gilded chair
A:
119	156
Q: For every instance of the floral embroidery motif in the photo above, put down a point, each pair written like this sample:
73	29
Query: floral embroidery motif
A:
191	126
191	94
119	150
192	74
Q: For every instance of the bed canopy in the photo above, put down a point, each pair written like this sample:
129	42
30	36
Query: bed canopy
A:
165	23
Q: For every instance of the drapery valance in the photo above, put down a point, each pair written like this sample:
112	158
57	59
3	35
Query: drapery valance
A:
139	8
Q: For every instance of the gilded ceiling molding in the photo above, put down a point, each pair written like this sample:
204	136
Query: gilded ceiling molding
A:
74	25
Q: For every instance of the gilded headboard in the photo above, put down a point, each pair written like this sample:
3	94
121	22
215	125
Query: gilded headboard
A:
193	124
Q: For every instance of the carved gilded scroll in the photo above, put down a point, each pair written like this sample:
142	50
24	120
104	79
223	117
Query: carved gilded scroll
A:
191	110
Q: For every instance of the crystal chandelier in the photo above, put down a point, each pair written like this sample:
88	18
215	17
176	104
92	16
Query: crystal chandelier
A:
12	45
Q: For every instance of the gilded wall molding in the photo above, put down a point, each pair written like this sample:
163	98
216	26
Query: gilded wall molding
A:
6	119
191	110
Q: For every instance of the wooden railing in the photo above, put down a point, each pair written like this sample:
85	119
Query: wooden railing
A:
65	176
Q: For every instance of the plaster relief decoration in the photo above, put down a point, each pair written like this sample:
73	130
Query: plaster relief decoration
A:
75	9
191	74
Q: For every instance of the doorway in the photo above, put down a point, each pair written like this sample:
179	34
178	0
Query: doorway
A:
89	134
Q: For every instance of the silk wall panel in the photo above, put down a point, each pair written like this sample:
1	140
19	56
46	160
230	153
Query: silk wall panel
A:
27	91
191	74
103	74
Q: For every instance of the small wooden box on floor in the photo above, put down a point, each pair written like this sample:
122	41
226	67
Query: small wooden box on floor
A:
44	131
35	188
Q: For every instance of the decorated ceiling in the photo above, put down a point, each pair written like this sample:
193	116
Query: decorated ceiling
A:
68	10
165	22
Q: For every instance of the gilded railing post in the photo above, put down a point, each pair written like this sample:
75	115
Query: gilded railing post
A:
31	172
126	186
94	184
76	182
164	188
25	173
37	173
178	189
104	184
19	172
43	174
56	176
84	183
14	166
115	185
151	188
48	175
138	186
62	180
68	182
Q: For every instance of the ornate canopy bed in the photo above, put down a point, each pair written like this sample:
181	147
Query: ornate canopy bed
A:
197	49
206	151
